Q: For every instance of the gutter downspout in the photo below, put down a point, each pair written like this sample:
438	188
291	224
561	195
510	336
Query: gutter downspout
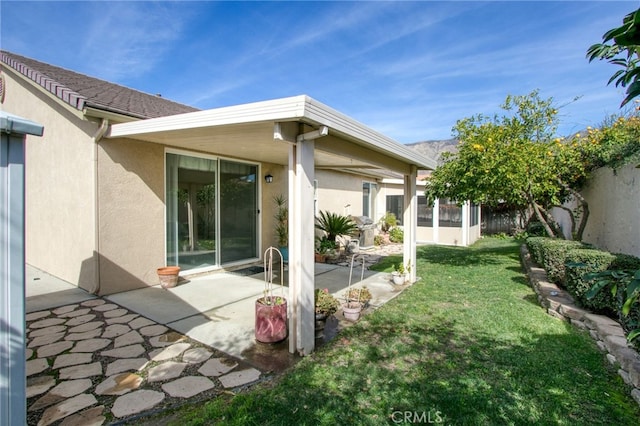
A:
97	137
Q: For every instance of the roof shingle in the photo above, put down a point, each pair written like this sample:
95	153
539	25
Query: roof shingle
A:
80	91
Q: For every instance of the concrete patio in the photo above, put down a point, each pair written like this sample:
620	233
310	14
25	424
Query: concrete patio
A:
117	357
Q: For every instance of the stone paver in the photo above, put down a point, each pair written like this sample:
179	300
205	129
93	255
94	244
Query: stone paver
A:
128	339
105	307
82	355
72	359
141	322
153	330
115	330
127	364
82	319
81	371
45	340
91	417
36	366
119	384
47	330
125	352
136	402
196	355
166	371
67	407
217	367
239	378
33	316
87	326
169	352
91	345
186	387
54	348
39	385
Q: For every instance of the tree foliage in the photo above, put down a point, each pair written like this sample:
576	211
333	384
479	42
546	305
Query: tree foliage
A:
514	159
621	46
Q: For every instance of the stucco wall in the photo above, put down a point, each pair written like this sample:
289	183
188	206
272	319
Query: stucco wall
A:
131	214
279	186
339	193
614	204
60	211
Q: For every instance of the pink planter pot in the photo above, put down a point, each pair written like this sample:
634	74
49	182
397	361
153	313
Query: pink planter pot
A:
271	321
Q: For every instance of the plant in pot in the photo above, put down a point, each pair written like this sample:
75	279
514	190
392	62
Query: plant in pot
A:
332	225
352	307
282	225
398	275
325	306
324	248
271	310
362	294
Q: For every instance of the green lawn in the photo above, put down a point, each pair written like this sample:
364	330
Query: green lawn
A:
468	344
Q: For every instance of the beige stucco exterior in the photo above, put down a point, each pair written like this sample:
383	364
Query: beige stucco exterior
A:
60	210
340	193
614	204
131	214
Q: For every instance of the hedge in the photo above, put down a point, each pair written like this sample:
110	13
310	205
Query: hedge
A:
582	261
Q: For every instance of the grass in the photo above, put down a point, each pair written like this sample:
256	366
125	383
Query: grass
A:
468	345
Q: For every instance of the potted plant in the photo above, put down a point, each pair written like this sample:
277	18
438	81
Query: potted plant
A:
168	276
282	225
271	310
325	306
333	224
324	248
398	275
363	294
352	307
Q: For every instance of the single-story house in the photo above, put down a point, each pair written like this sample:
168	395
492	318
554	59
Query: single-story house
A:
123	182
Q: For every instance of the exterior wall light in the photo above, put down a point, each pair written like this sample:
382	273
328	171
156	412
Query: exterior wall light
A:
268	178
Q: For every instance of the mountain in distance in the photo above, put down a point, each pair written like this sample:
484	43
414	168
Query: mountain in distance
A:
435	148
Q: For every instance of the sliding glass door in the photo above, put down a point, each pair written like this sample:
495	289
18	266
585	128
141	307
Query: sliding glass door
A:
238	211
211	211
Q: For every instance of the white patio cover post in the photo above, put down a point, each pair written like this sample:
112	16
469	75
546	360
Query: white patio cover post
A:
13	131
301	246
410	220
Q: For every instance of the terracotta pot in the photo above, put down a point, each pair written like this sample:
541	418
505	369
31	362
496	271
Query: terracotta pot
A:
271	321
168	276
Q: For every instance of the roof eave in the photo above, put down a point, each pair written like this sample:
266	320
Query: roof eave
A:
297	108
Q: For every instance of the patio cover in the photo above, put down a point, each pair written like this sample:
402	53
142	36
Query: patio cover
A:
303	134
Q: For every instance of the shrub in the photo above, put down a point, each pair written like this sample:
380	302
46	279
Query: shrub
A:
586	261
554	256
534	244
334	224
396	235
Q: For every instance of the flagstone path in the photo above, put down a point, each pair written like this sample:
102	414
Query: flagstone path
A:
94	363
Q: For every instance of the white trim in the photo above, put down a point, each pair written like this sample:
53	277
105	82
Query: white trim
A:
297	108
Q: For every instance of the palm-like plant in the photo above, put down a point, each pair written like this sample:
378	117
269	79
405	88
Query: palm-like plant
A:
334	224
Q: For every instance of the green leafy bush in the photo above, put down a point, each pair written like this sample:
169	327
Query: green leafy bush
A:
534	244
396	235
581	262
554	256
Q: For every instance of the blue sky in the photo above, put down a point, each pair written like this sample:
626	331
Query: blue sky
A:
407	69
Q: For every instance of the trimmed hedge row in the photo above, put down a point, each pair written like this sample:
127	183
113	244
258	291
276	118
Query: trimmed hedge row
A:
567	262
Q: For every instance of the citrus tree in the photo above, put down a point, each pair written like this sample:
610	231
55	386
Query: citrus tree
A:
515	159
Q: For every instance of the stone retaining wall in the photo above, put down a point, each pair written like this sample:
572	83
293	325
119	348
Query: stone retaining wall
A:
607	333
